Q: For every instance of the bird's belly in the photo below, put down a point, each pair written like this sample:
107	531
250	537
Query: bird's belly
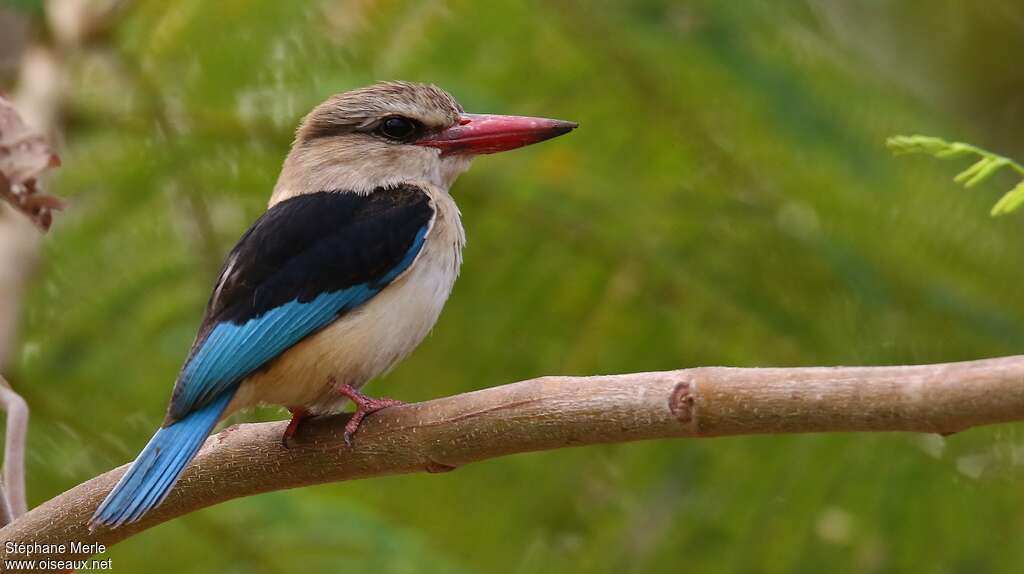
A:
358	346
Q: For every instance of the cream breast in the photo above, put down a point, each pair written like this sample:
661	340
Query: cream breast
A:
371	339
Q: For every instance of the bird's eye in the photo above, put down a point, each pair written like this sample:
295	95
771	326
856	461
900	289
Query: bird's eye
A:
398	128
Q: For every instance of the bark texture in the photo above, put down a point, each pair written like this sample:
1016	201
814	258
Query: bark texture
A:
556	412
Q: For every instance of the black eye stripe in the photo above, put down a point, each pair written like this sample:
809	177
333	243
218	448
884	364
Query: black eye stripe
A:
396	131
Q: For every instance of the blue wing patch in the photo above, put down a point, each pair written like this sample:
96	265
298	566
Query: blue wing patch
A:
232	351
307	261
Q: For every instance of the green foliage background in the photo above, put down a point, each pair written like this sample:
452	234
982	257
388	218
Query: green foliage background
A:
727	200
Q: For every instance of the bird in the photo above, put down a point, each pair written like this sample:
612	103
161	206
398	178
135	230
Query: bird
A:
340	278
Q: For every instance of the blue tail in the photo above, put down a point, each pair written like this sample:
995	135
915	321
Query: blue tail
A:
159	465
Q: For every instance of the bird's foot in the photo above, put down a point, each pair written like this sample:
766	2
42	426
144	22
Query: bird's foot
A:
299	414
364	406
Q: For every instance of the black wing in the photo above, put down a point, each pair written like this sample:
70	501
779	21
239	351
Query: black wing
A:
305	262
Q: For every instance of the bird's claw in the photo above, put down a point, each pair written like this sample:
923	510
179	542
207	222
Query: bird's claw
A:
364	406
298	415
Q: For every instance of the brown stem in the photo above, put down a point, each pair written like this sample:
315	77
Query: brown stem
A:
551	413
14	452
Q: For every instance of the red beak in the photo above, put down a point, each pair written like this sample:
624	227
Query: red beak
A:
479	134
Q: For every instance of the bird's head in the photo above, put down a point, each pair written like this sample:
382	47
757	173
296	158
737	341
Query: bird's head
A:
397	132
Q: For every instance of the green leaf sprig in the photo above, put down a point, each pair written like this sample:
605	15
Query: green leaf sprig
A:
988	164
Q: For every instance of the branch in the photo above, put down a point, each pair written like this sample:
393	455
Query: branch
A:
24	156
551	413
19	244
14	452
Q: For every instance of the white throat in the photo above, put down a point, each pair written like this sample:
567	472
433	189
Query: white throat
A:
309	170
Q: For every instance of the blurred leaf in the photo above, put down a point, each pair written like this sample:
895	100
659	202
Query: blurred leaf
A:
24	155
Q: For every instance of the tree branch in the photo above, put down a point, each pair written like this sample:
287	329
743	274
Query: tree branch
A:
556	412
14	451
19	244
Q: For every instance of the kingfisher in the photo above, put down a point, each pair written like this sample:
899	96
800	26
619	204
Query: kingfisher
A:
340	279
